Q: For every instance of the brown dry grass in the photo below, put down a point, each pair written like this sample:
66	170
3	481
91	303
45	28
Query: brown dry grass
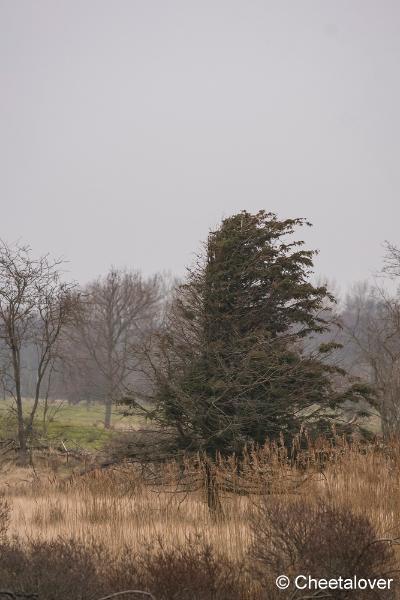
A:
125	506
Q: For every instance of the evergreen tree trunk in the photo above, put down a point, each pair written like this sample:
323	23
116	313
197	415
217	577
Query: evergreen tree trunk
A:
211	489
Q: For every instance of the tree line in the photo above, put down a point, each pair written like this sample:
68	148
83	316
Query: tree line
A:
245	348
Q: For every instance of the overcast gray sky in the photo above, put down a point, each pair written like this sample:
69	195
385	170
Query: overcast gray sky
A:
129	128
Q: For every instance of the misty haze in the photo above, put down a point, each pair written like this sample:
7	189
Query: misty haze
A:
199	300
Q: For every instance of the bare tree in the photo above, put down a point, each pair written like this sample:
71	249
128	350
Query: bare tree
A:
392	260
371	321
115	311
35	305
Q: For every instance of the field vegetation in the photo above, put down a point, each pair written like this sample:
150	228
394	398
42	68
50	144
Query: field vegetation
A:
212	434
327	493
78	425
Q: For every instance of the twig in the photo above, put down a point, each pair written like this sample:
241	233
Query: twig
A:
128	592
15	596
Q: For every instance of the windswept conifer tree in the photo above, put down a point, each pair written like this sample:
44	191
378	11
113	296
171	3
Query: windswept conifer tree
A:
231	365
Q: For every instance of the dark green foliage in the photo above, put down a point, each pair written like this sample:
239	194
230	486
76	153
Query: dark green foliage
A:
255	279
231	366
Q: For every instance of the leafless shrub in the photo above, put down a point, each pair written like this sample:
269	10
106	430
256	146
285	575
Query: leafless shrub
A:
193	572
53	570
5	511
63	569
317	540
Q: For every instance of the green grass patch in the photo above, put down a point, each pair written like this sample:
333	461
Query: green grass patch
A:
75	424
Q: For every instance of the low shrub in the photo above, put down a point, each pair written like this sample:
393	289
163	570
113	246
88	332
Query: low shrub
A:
66	569
321	541
5	512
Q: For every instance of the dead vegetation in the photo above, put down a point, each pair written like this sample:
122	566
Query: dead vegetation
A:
149	527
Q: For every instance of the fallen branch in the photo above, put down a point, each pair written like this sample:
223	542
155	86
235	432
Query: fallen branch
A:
128	592
18	595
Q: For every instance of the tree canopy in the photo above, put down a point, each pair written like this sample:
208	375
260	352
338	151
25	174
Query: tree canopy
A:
233	363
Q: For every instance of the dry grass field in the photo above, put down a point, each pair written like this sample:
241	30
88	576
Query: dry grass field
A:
122	506
152	524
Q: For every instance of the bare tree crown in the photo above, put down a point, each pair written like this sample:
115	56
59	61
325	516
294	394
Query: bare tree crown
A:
35	305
